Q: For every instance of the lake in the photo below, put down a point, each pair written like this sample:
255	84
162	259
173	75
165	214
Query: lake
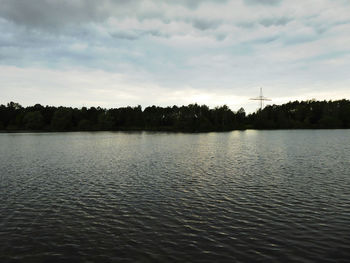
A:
269	196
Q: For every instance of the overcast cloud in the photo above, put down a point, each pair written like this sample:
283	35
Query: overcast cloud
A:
115	53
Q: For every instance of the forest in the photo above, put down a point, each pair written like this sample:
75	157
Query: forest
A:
309	114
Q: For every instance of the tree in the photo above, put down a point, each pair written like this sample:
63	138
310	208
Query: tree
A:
84	125
105	121
62	119
14	105
33	120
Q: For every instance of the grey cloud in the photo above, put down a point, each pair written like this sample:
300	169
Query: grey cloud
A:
51	14
14	36
299	39
125	35
265	40
137	34
273	21
193	3
267	22
321	26
246	24
156	33
321	29
38	13
203	24
58	13
262	2
220	37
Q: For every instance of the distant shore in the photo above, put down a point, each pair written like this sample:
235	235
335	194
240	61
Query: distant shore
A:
160	131
190	119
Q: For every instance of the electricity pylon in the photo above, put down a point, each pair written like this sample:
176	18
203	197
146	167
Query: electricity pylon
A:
261	98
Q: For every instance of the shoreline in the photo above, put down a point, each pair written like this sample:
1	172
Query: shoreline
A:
163	131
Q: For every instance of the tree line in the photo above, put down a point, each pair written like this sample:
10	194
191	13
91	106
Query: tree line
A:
191	118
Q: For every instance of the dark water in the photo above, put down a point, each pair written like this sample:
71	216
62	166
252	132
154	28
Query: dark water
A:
269	196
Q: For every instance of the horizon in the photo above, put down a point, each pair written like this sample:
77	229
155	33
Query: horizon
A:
213	52
171	106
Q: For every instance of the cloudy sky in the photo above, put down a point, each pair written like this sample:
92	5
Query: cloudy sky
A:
114	53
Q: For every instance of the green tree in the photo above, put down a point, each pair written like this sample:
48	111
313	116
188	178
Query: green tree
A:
105	121
14	105
84	125
62	119
33	120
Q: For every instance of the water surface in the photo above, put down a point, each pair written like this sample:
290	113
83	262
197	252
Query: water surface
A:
246	196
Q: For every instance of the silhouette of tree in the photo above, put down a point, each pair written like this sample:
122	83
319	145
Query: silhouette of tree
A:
62	119
84	125
191	118
33	120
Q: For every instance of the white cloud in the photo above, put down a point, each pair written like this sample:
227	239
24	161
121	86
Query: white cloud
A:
79	88
172	52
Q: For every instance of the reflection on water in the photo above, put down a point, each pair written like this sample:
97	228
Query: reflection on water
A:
238	196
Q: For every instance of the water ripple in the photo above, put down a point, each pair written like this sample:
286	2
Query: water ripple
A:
266	196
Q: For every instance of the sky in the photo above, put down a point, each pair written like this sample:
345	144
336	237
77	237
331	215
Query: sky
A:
115	53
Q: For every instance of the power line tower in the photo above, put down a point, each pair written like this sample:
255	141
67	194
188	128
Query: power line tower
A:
261	98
